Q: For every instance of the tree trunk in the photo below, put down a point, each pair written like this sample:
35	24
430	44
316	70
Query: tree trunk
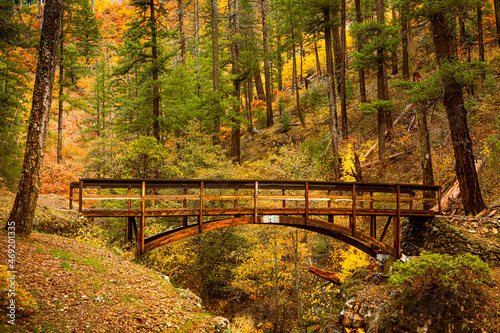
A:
480	35
279	60
496	5
259	86
446	52
60	95
267	72
343	73
425	154
294	79
338	53
384	120
234	24
404	41
215	70
361	72
24	207
39	5
332	103
155	65
395	54
318	65
182	37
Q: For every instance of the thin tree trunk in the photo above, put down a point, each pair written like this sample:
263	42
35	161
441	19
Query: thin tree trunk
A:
39	5
395	54
480	35
318	64
343	47
294	71
279	60
446	52
361	72
154	59
215	70
234	24
60	96
381	86
23	210
337	49
332	103
182	37
404	41
267	72
248	104
496	5
425	154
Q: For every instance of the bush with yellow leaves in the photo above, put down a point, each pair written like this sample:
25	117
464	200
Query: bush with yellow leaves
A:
24	300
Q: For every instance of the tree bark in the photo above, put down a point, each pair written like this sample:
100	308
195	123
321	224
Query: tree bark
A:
395	54
383	118
480	34
259	86
338	52
215	70
446	52
279	60
332	103
425	154
60	95
155	65
267	72
496	5
361	72
23	211
404	41
343	73
234	24
182	37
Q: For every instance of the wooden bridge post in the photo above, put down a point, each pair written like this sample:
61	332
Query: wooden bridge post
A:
70	197
330	216
373	219
184	205
353	216
284	201
255	197
200	218
129	201
80	197
397	223
439	201
306	195
143	211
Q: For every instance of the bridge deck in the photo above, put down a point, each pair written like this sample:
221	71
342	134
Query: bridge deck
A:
248	201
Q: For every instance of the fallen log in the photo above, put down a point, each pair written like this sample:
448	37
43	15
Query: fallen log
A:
388	158
333	277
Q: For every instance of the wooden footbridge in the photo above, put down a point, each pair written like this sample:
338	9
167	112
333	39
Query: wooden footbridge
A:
364	215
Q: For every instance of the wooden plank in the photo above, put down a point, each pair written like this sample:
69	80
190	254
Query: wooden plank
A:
129	202
112	197
172	197
385	228
184	205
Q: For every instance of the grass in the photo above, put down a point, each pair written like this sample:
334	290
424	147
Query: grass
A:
66	265
63	255
94	262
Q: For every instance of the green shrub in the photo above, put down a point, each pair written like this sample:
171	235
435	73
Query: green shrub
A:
440	291
284	121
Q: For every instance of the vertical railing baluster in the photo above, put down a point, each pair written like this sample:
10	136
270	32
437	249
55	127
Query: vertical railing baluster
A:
306	197
80	197
143	214
397	223
200	218
184	205
255	198
353	222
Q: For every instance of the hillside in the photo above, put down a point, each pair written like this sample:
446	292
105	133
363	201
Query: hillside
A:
79	287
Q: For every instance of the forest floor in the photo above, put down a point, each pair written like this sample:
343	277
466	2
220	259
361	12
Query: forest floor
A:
80	287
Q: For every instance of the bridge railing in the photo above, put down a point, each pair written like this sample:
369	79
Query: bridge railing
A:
230	197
